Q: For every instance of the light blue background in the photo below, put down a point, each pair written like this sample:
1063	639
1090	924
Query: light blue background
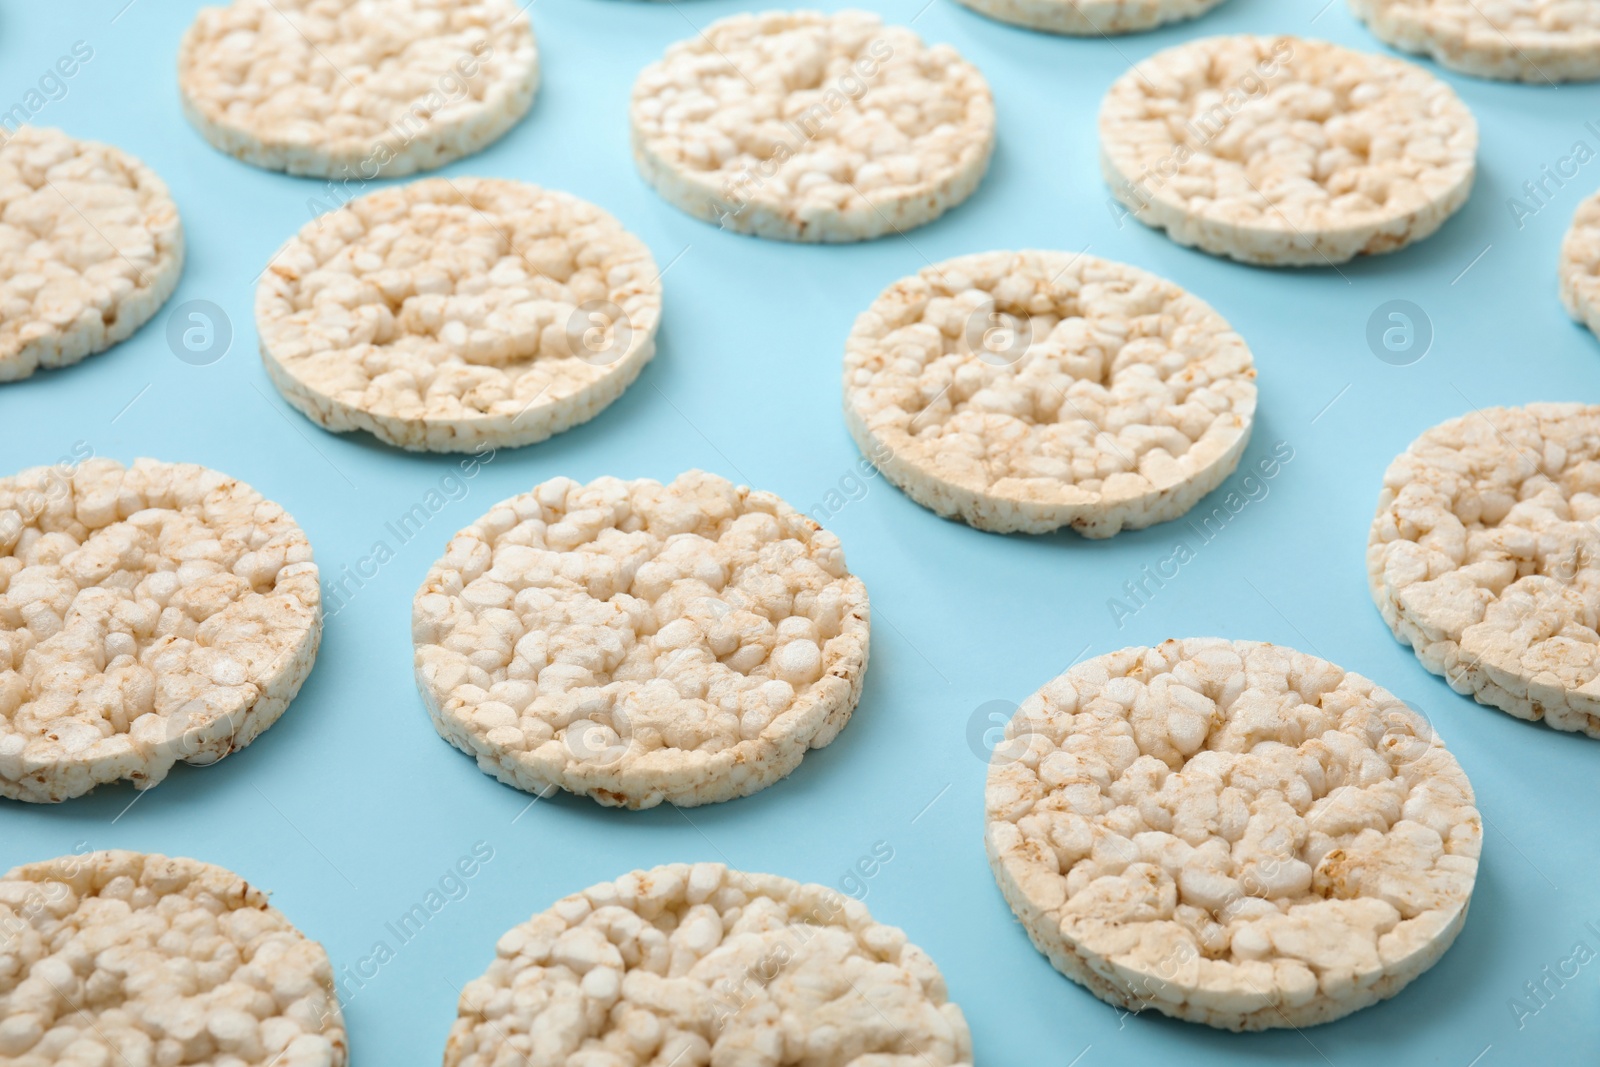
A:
350	809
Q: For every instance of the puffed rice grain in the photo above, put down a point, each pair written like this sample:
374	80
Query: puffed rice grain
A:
700	965
90	248
357	91
638	643
449	313
1231	833
1579	271
148	614
804	126
1538	41
1034	390
1091	18
1483	558
128	959
1283	151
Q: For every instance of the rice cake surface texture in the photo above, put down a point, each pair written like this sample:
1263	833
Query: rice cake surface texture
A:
148	614
1231	833
638	643
1539	41
701	965
355	91
449	314
1035	390
805	126
1483	556
1091	18
90	248
129	958
1284	151
1579	272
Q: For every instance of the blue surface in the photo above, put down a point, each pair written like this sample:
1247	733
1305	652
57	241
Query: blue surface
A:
351	809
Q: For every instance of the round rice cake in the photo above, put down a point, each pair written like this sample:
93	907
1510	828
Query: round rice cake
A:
1035	390
148	614
1528	40
449	313
805	126
700	965
1580	265
90	248
123	958
1483	558
1091	18
357	91
638	643
1231	833
1283	151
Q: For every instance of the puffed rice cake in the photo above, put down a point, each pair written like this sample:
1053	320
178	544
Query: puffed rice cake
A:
1513	40
1231	833
90	248
1091	18
129	958
148	614
1283	151
1027	391
638	643
699	965
1483	558
448	313
1579	271
355	91
805	126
